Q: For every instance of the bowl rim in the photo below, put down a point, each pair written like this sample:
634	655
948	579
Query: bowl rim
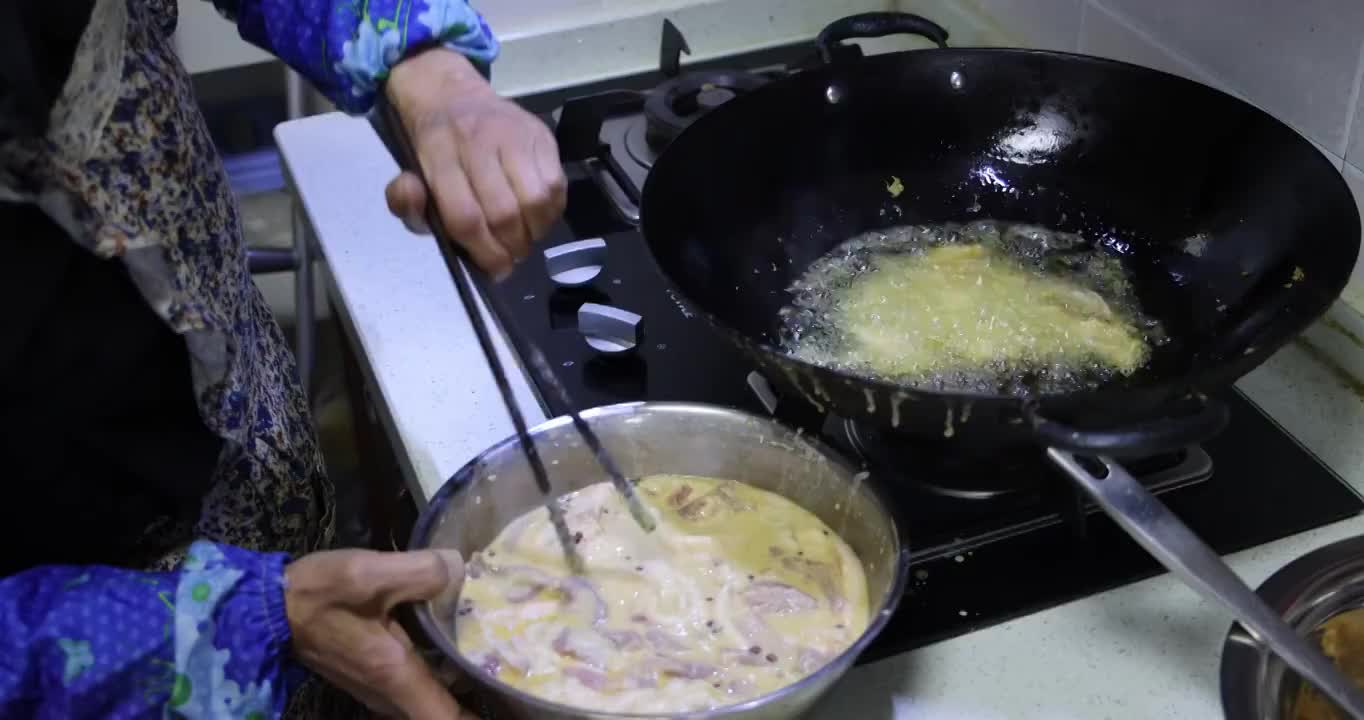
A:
460	480
1242	654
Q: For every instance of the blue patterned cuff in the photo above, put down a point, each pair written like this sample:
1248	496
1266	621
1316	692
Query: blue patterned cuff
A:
231	634
347	48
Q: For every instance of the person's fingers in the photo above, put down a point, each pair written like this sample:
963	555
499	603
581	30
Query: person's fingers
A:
377	703
414	690
402	577
456	204
339	646
454	569
537	204
551	170
448	675
400	636
445	671
406	198
499	202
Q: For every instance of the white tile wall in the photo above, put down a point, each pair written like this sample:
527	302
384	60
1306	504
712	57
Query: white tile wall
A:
1355	153
1049	24
1354	292
515	19
1106	34
1046	24
1301	60
1296	58
621	38
206	42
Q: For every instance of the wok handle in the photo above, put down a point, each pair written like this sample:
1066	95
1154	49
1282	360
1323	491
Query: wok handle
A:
1149	438
1162	534
877	24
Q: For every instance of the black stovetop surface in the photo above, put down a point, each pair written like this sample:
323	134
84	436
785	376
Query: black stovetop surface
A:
1264	486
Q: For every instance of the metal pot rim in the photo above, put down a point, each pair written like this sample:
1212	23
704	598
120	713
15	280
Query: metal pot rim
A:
462	477
1288	591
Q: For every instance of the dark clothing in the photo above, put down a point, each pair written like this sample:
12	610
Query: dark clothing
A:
100	435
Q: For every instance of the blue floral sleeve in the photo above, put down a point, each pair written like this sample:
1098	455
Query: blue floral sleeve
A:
210	640
347	47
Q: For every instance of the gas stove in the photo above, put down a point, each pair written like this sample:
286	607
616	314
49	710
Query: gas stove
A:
983	551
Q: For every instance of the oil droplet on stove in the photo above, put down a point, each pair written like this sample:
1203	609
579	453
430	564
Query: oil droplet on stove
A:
568	363
527	297
960	558
615	281
949	430
662	346
962	613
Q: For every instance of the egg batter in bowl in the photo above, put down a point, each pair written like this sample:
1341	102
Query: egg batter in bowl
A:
738	592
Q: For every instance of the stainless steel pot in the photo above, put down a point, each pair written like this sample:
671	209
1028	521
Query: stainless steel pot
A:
655	438
1257	685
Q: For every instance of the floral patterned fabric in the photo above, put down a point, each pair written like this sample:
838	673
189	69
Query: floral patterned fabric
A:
207	641
128	170
351	52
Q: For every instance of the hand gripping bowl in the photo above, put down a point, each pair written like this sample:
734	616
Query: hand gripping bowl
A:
669	438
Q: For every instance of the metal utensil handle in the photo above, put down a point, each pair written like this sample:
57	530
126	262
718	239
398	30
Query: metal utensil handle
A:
538	366
464	278
1162	534
1149	438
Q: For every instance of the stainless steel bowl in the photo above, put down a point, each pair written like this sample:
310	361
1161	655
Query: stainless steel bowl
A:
673	438
1316	587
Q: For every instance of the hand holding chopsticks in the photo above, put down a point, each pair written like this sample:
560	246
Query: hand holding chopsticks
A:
498	184
465	278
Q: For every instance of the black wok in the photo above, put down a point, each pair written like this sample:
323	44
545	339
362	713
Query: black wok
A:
1138	160
1238	233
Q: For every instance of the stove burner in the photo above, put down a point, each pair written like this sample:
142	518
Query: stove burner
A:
958	475
678	102
637	144
713	97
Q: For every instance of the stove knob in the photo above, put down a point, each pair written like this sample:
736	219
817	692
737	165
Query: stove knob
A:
576	263
609	329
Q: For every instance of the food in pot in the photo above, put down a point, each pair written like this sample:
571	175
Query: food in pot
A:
985	306
1342	639
737	593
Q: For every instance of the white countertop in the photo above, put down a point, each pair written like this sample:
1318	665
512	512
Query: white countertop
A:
1146	650
397	303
